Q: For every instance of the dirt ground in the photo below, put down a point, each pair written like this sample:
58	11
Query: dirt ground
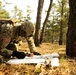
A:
67	66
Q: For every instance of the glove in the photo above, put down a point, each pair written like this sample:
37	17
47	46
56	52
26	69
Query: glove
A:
19	55
36	53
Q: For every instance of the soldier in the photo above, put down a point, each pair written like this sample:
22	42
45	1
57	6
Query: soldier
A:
10	34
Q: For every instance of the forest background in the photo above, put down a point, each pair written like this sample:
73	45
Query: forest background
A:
55	32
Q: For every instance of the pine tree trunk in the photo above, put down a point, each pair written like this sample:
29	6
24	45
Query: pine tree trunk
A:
38	22
45	21
71	33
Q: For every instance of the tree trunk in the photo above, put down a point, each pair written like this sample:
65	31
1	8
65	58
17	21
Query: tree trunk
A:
71	33
61	25
46	19
38	22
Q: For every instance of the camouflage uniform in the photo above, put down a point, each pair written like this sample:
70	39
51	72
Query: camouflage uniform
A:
27	31
10	33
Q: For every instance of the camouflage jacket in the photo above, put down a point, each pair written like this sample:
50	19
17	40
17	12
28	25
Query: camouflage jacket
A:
10	33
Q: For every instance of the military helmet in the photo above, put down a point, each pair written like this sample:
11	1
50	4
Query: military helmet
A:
27	29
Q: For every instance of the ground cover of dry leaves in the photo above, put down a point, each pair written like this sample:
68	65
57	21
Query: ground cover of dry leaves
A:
67	65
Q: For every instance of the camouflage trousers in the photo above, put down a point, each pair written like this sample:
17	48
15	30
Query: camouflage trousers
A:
6	52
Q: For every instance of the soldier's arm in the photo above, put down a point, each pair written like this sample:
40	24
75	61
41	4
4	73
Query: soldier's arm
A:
31	44
32	47
28	32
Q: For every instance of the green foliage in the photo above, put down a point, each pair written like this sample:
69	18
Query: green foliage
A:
53	26
52	31
3	12
17	13
29	11
20	15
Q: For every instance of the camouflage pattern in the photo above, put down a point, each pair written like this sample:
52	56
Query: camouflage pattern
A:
10	34
28	27
6	52
6	30
31	44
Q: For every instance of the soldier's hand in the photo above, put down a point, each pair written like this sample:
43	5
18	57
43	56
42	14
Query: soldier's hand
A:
36	53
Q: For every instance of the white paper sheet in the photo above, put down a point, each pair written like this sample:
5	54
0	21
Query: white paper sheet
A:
37	59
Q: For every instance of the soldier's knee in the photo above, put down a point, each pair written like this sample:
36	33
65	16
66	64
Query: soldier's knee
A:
6	53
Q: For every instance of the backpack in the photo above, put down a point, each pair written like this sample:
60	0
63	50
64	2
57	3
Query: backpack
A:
6	30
